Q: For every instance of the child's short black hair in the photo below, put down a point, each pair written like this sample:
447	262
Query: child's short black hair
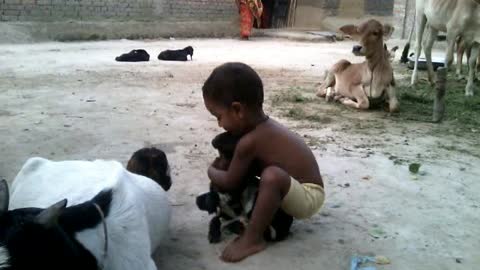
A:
234	82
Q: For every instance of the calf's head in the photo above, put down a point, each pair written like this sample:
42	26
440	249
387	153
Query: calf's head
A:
370	35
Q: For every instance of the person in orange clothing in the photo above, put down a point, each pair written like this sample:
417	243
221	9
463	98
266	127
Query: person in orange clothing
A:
250	10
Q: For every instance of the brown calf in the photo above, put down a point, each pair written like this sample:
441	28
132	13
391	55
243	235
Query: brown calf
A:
360	85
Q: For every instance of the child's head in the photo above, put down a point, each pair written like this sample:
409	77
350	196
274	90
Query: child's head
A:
233	93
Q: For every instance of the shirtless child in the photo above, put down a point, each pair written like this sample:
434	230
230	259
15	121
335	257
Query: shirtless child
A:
290	177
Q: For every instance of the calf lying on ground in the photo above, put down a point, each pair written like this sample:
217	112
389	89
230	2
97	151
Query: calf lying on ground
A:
176	55
371	82
233	209
134	56
137	218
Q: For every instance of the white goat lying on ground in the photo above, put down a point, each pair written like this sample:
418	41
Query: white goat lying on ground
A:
136	209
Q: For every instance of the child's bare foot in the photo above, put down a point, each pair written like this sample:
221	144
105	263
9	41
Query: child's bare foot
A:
240	248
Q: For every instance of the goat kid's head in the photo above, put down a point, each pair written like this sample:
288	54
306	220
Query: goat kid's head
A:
390	53
370	34
189	51
31	238
225	143
152	163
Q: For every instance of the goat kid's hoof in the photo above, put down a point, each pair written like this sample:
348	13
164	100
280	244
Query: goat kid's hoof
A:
214	239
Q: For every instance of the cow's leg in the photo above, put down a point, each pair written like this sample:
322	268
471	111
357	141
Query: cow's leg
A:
392	99
478	64
430	39
328	82
471	69
330	94
420	27
361	99
451	38
460	53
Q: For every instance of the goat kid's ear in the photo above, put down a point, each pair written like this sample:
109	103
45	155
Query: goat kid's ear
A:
350	29
4	197
49	217
387	31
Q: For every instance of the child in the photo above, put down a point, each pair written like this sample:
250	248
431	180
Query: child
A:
290	176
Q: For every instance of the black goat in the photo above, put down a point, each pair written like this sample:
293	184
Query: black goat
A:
139	55
176	55
234	209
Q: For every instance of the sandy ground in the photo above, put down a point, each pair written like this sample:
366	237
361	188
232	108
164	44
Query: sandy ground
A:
72	101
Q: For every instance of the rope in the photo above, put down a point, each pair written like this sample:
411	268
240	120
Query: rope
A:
105	232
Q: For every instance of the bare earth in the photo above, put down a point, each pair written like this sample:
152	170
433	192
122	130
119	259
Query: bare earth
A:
73	101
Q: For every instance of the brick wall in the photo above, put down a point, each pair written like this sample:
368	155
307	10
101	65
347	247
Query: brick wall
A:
201	9
58	10
365	7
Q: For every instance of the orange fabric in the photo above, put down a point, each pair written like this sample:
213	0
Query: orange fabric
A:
249	10
246	21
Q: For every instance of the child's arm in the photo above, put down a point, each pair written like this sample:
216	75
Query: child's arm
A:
232	179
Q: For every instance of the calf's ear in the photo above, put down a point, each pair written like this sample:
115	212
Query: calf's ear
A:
387	31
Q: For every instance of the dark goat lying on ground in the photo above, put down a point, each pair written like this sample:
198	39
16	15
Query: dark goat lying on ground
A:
234	209
176	55
134	56
44	238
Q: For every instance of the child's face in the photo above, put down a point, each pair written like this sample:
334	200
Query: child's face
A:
229	118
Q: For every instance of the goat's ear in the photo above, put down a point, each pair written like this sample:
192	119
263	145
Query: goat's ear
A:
387	31
49	216
350	29
4	197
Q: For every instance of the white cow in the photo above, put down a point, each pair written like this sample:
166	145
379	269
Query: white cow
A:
139	214
456	18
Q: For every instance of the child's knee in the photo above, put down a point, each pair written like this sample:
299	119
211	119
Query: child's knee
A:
275	176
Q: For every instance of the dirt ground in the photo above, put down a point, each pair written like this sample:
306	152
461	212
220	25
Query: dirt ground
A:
73	101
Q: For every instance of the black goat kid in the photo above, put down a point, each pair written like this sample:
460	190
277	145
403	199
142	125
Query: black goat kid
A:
233	209
176	55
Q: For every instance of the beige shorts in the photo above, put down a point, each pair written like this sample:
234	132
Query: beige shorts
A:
303	200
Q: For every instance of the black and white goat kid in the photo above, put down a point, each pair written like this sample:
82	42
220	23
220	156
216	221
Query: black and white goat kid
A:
233	209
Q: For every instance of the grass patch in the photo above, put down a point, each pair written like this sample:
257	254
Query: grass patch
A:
294	95
417	103
299	113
